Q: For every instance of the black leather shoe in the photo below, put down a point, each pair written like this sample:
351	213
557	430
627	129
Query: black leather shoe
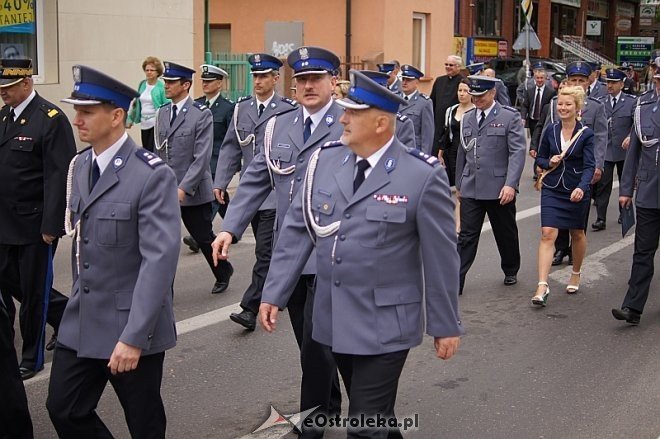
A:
627	314
599	225
51	343
510	280
558	258
26	373
619	220
221	285
245	318
191	243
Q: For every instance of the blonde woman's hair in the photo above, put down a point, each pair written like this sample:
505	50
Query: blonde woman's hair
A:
577	93
344	86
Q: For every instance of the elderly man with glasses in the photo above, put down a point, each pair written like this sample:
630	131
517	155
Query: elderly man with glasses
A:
444	94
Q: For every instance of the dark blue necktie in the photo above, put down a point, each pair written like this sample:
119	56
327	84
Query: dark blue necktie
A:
96	174
308	129
362	166
173	115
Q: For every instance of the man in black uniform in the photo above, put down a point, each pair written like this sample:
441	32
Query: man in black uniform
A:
35	149
222	109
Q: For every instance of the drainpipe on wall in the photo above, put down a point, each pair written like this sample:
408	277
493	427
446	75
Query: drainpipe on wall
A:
348	37
207	34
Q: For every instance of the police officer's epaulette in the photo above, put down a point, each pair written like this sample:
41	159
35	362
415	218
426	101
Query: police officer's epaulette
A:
401	117
149	158
165	104
425	96
628	95
471	109
332	144
199	105
242	99
647	102
49	110
289	101
429	159
512	109
590	98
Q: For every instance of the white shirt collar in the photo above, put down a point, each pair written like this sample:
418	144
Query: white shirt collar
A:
266	102
410	96
20	107
210	101
488	110
318	116
179	105
374	158
103	159
617	97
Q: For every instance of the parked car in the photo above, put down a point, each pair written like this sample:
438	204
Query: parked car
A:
507	70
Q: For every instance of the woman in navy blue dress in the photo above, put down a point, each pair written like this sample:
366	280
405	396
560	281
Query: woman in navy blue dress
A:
567	152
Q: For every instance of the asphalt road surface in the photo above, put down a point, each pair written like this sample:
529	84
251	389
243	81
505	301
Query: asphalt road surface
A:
565	371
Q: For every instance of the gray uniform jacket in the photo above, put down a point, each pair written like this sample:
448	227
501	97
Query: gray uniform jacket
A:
420	111
593	116
246	121
502	95
649	96
288	148
599	91
186	146
395	87
130	229
393	257
496	155
619	123
405	130
641	171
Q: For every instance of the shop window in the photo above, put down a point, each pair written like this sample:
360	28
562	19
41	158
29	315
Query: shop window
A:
419	41
21	32
489	21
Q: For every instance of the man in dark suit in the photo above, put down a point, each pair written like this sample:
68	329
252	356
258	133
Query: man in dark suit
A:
535	97
641	176
123	211
371	204
290	140
35	149
243	141
222	110
184	140
445	94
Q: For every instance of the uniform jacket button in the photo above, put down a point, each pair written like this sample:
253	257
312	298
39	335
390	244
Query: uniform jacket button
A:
337	283
338	260
86	289
347	215
86	215
86	264
86	240
298	178
342	237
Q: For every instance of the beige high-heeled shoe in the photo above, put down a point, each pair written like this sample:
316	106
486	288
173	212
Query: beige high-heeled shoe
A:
542	300
572	289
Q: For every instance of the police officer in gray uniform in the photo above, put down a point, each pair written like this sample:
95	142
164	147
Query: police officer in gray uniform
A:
653	94
419	108
502	96
381	218
619	110
641	174
392	70
243	141
593	116
222	110
184	139
289	141
405	129
596	89
123	214
488	168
